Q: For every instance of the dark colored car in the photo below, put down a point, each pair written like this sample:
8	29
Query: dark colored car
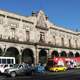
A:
21	69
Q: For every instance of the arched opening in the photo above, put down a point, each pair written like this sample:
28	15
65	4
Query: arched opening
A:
55	54
63	54
70	54
27	56
12	52
1	52
42	56
77	54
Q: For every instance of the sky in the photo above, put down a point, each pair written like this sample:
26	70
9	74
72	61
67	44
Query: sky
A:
64	13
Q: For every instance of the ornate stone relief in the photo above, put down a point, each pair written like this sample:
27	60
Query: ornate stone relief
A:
13	24
26	27
41	23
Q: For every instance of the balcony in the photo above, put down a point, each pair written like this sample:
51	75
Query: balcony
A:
42	43
15	40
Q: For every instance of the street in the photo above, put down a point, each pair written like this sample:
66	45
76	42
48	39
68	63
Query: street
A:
67	75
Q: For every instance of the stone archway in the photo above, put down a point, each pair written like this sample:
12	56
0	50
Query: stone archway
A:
55	54
42	56
63	54
27	56
77	54
70	54
12	52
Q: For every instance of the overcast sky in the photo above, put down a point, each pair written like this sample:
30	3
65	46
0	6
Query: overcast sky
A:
64	13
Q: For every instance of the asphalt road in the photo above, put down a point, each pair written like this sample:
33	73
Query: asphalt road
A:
67	75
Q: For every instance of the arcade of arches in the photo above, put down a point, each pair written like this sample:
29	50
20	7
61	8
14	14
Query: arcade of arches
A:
28	54
64	54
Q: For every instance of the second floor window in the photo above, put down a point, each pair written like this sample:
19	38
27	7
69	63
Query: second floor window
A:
54	40
13	32
69	42
76	44
62	39
27	36
42	37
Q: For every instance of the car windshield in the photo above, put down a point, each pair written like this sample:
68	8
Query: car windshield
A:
15	65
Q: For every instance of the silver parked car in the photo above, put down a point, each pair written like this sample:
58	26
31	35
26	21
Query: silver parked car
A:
21	69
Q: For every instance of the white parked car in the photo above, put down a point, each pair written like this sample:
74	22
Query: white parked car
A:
5	66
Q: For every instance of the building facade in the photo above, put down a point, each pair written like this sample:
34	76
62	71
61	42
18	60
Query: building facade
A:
35	39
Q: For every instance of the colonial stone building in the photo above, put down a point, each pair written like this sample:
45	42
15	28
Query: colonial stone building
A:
34	38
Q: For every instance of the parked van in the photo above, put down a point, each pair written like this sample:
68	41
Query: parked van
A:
6	62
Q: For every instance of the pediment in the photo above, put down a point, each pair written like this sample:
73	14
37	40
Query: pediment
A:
41	21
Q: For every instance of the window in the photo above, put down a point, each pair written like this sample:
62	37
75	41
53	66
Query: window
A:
11	61
62	39
11	65
27	36
8	61
4	61
54	40
76	44
5	66
13	32
69	42
1	21
42	37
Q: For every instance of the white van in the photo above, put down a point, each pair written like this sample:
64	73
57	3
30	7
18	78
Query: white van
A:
6	62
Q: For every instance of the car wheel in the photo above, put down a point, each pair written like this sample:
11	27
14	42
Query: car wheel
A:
56	70
64	70
13	74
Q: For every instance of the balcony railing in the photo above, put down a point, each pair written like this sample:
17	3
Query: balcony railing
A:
13	40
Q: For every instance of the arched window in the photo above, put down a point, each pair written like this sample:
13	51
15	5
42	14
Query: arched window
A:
27	56
42	56
77	54
55	54
63	54
12	52
70	54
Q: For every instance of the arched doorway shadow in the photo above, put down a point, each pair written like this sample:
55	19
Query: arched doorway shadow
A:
12	52
77	54
42	56
27	56
70	55
63	54
54	54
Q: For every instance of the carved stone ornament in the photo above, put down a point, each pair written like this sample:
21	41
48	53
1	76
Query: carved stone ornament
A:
41	23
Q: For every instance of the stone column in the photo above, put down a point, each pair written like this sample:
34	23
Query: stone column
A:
20	56
48	54
36	56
